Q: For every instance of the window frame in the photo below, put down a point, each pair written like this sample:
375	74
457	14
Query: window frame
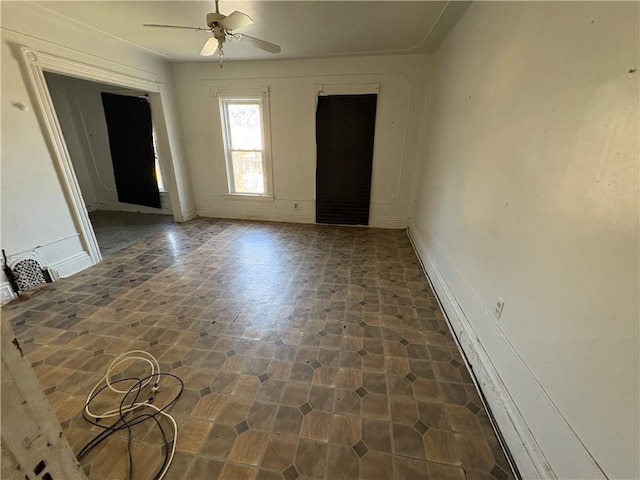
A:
260	97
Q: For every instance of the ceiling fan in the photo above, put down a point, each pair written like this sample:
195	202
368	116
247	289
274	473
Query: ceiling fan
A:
223	28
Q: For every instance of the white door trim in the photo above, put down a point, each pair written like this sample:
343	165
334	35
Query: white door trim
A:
34	62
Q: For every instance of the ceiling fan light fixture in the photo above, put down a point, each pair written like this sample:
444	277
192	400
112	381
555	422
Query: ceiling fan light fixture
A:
221	26
219	33
220	54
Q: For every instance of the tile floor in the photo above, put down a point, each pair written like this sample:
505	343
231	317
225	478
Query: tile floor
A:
117	230
307	352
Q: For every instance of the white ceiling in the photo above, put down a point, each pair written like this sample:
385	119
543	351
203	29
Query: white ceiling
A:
303	28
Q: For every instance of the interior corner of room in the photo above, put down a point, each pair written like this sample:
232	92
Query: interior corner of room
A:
505	143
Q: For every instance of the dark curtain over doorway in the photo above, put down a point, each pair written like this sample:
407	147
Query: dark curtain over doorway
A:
345	127
132	153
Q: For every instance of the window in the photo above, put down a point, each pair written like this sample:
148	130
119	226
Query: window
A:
244	132
157	166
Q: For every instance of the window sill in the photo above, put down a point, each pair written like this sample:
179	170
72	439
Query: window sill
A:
249	196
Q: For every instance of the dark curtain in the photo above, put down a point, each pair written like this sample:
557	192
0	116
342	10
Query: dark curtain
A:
345	127
132	153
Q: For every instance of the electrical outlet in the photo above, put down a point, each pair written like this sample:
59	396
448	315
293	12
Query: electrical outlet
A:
295	207
498	308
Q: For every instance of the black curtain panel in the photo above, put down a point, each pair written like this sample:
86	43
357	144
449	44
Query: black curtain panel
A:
132	153
345	127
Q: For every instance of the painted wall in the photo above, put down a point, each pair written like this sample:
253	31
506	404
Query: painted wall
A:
291	86
80	111
528	191
35	216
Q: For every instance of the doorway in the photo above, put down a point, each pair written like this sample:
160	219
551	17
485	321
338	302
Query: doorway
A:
110	139
345	129
34	64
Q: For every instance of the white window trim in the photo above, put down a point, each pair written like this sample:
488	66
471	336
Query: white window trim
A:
261	95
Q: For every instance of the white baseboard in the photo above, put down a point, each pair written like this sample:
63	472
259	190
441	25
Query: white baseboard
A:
236	214
540	440
63	256
71	265
165	207
60	269
189	214
6	293
392	223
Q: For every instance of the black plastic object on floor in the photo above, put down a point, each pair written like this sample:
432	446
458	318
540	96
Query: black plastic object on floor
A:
345	128
9	274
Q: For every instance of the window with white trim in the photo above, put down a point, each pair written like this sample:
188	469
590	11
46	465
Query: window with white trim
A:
245	135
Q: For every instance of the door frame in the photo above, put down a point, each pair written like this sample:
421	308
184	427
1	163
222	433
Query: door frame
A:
34	63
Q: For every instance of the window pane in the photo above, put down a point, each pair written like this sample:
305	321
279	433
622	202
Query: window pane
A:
159	177
247	172
244	126
157	167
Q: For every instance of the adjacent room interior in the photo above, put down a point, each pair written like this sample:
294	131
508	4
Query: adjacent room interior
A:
359	240
103	126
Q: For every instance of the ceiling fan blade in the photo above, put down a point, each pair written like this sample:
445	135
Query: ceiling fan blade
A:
209	47
236	20
173	26
256	42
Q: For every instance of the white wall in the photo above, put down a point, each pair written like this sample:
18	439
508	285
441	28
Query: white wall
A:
35	214
34	210
74	135
80	111
292	111
528	190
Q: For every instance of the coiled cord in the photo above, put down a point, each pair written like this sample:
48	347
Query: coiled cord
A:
133	412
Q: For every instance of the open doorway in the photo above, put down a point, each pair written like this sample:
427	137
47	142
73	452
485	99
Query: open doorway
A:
345	132
112	146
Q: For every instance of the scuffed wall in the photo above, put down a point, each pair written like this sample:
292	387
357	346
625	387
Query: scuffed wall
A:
528	191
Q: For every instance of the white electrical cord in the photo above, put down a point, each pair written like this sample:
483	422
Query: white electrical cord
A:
125	357
134	355
175	439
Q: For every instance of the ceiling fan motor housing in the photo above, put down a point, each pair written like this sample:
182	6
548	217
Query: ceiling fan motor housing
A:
213	18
